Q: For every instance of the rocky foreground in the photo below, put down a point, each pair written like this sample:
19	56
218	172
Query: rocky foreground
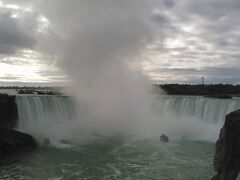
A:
8	111
12	141
227	156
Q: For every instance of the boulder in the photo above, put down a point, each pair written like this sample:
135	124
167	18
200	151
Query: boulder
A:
12	141
227	156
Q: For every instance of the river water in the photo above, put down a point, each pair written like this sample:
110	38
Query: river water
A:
116	157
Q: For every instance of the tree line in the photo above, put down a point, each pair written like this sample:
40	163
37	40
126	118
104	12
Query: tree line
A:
200	89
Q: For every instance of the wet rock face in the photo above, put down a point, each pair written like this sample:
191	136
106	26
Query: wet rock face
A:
219	154
8	111
227	157
12	141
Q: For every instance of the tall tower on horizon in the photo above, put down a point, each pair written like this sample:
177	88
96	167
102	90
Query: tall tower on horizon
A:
203	80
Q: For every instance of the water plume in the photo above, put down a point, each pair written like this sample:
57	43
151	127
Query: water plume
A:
99	45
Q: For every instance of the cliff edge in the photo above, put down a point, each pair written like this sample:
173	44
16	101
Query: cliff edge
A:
227	156
12	141
8	111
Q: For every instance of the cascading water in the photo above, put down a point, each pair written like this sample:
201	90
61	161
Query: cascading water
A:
44	110
57	117
42	115
119	157
208	110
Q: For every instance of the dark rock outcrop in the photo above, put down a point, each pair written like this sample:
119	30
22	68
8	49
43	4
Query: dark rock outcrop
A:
8	111
12	141
227	156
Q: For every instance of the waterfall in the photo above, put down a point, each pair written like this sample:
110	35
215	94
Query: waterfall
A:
47	110
43	116
59	117
44	110
208	110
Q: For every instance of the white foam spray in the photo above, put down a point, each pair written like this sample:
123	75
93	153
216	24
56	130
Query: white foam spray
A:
99	44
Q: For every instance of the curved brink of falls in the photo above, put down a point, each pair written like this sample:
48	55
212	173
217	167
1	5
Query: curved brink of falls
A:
208	110
56	117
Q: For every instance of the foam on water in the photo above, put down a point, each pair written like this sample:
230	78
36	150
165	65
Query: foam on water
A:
117	158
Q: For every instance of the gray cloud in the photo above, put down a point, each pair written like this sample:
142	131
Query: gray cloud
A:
168	3
195	37
204	40
15	33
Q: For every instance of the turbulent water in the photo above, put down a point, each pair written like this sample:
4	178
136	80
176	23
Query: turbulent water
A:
115	157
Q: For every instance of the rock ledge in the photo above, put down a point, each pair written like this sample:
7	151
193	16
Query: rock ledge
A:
12	141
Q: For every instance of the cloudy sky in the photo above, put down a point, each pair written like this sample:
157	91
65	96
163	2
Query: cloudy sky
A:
192	38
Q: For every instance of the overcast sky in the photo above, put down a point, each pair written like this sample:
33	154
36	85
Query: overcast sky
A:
192	38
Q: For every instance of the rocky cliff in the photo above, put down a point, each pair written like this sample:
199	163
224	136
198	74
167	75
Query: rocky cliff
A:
11	141
8	111
227	157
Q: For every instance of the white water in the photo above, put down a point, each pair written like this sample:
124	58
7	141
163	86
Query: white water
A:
44	110
208	110
57	117
45	116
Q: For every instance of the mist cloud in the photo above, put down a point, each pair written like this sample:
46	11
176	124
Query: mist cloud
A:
100	45
97	37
